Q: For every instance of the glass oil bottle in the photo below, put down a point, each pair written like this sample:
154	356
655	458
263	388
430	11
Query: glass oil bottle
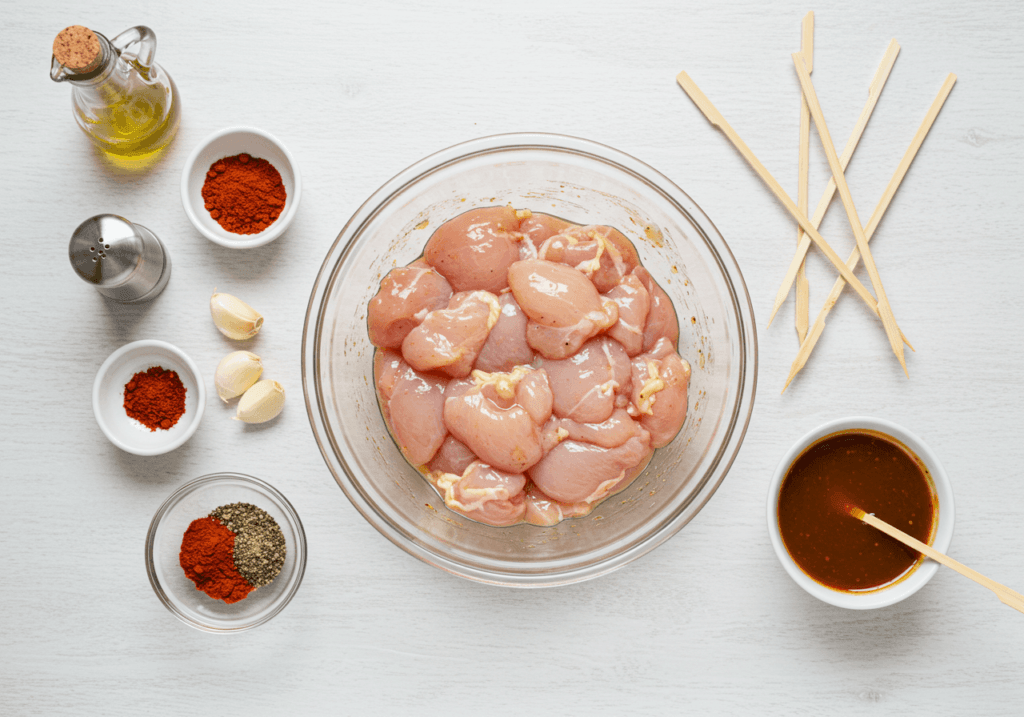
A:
125	102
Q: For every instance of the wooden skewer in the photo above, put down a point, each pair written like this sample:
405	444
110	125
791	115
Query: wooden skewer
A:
884	310
874	92
883	204
715	118
1007	596
802	290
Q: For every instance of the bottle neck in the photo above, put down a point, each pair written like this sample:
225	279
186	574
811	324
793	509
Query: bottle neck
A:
95	74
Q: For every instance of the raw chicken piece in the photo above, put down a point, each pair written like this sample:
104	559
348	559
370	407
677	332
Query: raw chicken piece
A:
524	386
489	419
661	320
618	429
452	457
584	386
405	297
449	340
662	348
413	407
506	345
560	343
630	474
563	306
540	509
600	252
545	511
659	394
475	249
534	394
540	227
634	303
552	294
574	510
386	365
574	472
485	494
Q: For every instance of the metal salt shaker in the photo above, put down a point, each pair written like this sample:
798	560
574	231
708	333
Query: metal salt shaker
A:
124	261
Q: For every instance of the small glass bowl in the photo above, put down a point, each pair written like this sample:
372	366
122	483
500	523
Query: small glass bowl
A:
584	182
163	544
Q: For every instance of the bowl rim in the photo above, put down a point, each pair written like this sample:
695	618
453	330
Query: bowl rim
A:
922	573
737	423
191	486
105	368
274	230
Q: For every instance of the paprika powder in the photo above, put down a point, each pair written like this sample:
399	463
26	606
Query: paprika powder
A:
155	398
244	194
208	558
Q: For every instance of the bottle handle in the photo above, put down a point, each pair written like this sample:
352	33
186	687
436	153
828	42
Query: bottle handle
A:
137	46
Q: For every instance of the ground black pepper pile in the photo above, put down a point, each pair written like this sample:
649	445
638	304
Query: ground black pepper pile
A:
260	547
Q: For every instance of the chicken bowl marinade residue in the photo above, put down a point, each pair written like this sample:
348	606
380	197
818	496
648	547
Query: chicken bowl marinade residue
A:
527	365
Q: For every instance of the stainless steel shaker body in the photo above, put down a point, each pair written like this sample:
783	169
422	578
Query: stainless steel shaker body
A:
124	261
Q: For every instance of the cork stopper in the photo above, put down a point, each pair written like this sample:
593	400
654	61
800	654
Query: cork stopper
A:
77	48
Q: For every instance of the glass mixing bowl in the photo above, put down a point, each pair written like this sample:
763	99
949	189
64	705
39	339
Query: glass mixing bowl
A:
583	182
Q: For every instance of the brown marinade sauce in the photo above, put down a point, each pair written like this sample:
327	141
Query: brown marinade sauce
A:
871	471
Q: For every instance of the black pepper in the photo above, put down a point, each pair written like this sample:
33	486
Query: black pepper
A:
260	547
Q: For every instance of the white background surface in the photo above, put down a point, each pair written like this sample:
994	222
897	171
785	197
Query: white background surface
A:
709	622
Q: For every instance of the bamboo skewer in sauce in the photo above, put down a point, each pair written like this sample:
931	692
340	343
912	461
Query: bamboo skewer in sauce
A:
864	468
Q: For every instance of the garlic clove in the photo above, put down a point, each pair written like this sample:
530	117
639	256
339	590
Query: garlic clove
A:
235	318
236	372
263	401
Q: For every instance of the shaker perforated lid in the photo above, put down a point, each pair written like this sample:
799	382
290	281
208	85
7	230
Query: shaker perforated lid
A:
105	250
124	261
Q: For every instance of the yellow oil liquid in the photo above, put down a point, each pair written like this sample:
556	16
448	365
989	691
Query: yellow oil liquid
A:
134	124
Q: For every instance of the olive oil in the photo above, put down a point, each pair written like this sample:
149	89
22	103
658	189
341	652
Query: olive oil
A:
136	123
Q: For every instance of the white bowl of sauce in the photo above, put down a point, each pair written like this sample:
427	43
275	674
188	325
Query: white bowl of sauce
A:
881	468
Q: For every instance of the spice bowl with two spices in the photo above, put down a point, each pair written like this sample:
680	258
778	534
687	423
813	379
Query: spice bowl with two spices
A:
164	545
254	202
136	423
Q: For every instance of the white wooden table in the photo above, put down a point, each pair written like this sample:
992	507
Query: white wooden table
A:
709	622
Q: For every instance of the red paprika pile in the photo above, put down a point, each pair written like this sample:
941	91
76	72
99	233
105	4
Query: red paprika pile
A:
244	194
208	558
155	398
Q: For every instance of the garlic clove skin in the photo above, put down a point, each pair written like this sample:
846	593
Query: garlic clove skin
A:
236	372
262	402
233	317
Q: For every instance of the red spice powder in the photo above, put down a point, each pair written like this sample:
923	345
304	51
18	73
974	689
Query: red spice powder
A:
244	194
155	398
208	558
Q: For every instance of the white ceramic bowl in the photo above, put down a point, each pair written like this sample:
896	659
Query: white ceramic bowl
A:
228	143
108	397
924	570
